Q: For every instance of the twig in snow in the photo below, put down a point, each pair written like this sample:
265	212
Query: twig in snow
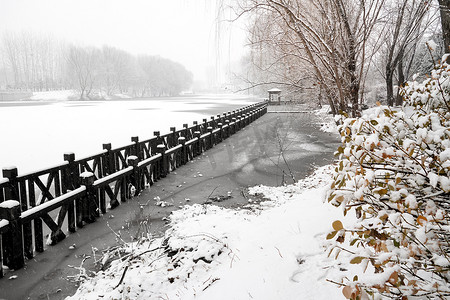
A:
82	271
232	258
121	278
212	281
208	236
335	282
283	157
146	251
243	194
212	192
279	252
118	236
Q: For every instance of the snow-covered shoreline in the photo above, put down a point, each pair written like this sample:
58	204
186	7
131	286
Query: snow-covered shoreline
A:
272	250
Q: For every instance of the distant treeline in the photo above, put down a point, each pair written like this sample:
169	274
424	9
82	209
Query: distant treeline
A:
31	62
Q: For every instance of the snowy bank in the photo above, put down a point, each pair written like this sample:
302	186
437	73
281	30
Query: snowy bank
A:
269	251
62	95
65	95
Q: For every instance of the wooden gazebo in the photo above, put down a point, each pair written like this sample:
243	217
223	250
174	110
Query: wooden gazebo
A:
275	95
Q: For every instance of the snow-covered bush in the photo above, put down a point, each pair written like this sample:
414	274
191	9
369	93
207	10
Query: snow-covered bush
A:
394	173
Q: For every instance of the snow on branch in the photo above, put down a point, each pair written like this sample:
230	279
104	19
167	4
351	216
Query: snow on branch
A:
394	173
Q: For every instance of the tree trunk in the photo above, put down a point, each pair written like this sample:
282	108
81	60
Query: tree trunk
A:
332	106
444	8
389	86
351	66
320	96
401	80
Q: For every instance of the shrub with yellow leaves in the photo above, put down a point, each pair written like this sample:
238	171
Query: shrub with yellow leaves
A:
394	173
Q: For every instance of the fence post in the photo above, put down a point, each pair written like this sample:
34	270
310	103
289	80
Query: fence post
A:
88	206
185	132
233	129
238	122
137	148
133	161
12	191
161	148
171	142
211	137
218	120
158	136
108	164
184	155
221	138
13	244
205	126
227	132
71	182
198	147
195	126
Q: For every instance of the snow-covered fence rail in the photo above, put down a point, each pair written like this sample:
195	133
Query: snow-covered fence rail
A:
78	191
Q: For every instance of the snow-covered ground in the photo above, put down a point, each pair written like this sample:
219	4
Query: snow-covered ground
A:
62	95
35	134
272	250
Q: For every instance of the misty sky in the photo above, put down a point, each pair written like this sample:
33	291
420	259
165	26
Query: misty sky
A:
181	30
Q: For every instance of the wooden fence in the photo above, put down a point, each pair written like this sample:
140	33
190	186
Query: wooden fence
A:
80	190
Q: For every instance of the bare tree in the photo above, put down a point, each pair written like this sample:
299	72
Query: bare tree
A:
115	69
36	62
326	37
404	27
82	64
444	8
11	49
162	77
275	58
33	61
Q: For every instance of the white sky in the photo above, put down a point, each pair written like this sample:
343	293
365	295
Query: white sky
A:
181	30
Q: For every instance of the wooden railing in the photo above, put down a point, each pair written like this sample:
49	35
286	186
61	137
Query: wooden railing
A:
78	191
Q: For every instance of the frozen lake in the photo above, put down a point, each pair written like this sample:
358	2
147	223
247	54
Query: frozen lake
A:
35	134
